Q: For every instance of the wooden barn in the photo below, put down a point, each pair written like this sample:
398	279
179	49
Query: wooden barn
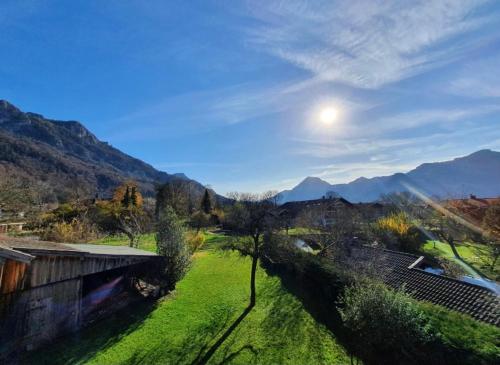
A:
48	289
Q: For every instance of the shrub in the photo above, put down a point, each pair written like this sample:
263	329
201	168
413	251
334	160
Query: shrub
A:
386	324
74	231
398	229
171	244
195	241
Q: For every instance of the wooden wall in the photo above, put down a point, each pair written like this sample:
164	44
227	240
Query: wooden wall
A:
12	274
33	317
42	300
47	269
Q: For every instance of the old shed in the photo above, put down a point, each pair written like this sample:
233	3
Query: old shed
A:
48	289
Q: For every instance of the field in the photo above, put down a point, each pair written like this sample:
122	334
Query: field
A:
474	255
183	327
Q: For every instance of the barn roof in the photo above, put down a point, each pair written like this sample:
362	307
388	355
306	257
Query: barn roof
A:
45	247
110	250
10	254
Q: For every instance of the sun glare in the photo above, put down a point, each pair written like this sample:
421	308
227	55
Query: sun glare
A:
328	115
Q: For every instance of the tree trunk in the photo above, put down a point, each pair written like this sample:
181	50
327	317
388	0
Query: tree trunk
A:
255	259
451	242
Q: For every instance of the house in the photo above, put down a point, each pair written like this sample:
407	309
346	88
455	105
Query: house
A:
48	289
11	227
325	211
322	211
398	269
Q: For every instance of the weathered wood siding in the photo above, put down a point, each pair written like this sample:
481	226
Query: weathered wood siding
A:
42	300
33	317
12	274
50	269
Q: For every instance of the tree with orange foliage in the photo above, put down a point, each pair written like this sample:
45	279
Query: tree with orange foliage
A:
128	194
124	213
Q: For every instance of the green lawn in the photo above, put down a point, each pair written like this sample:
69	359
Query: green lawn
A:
473	254
302	231
182	327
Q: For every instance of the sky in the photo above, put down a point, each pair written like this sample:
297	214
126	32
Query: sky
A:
231	93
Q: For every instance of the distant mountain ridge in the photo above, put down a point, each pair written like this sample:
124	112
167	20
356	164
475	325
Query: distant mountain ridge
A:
477	173
64	154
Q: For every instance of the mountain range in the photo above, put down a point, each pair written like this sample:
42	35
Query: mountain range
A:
64	155
477	173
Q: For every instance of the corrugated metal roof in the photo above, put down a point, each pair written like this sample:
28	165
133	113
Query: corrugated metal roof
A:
31	244
36	246
109	250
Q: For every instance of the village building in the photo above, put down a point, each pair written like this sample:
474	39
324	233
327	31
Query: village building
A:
327	209
48	289
400	269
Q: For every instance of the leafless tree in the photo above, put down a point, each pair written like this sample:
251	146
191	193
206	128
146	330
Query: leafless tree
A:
491	225
132	223
251	215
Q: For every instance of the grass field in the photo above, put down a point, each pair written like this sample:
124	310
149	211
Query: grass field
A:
474	255
181	328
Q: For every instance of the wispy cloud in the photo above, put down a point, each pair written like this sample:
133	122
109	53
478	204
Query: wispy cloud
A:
477	79
424	117
366	43
352	150
201	111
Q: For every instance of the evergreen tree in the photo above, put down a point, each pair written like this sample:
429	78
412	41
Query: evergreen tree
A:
133	196
206	203
171	245
126	198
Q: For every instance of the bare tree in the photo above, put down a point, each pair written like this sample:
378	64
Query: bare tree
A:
491	224
131	222
251	215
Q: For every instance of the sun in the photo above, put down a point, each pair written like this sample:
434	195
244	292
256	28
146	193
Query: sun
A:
328	115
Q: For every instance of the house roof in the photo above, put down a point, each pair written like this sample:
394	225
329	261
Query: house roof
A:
401	269
305	203
10	254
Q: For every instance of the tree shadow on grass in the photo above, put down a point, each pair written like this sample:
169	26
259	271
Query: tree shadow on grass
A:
203	359
194	348
313	300
80	347
287	321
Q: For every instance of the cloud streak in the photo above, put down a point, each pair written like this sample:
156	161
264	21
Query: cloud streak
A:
366	44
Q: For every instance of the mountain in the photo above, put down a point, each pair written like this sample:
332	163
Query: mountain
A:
310	188
477	173
64	156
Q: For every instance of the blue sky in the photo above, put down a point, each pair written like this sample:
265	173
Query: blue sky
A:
230	92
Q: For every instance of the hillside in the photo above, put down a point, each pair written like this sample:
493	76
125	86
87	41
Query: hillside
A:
477	173
64	155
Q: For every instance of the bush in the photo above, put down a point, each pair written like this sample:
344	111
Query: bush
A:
171	244
397	229
74	231
386	324
195	241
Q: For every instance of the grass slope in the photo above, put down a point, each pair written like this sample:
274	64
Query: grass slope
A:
182	327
